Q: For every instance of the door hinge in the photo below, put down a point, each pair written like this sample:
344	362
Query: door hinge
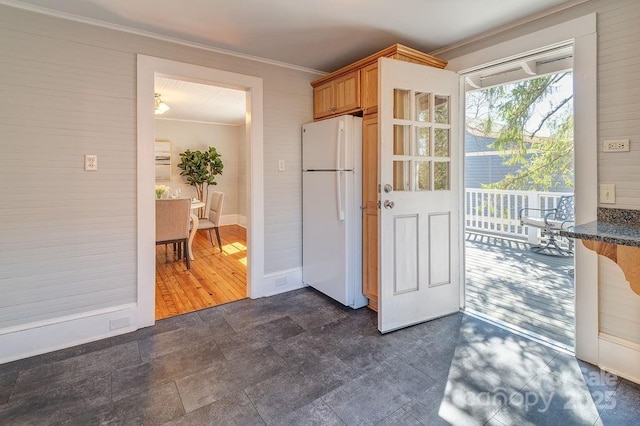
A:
379	204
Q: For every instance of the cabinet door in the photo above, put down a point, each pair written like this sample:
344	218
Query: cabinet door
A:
346	92
369	90
323	100
370	211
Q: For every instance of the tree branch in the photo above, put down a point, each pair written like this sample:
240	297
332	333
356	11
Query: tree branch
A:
550	114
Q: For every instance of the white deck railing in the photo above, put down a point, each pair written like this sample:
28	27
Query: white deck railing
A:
496	211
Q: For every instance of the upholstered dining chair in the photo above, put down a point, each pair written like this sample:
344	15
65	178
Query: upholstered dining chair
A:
212	220
173	219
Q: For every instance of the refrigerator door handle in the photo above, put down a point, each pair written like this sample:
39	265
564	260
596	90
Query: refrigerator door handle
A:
339	196
339	145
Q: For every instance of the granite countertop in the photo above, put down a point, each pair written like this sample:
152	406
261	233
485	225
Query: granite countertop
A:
615	226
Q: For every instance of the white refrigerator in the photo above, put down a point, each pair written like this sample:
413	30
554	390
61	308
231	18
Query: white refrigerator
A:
331	208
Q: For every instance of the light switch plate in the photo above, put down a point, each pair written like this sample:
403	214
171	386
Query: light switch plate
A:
281	167
607	193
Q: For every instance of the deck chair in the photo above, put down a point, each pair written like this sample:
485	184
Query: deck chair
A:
173	219
550	222
212	220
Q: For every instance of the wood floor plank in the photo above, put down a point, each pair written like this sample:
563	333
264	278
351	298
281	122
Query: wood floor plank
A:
215	277
510	283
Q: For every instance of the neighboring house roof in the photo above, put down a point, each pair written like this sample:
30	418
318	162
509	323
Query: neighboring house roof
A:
484	165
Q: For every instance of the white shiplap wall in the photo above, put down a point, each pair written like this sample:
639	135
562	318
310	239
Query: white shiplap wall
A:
618	118
67	237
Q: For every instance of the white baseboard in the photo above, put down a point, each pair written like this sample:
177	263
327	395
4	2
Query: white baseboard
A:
619	357
282	281
46	336
59	333
233	219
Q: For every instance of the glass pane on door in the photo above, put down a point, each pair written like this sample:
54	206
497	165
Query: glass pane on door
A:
401	140
423	141
441	176
401	104
401	176
441	143
441	109
422	106
423	181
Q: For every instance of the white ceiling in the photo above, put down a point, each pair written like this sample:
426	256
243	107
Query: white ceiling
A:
319	35
200	102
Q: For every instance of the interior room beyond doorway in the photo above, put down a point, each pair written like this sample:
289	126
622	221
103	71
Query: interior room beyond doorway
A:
196	117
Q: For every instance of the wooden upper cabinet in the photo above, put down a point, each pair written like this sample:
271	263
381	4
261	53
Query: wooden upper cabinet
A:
370	88
337	96
354	88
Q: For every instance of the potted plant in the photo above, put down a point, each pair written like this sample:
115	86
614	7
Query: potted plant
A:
200	169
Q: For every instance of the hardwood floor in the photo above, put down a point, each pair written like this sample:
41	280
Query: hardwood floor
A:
214	278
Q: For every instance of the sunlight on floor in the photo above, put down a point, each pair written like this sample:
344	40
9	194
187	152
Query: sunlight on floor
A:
494	373
233	248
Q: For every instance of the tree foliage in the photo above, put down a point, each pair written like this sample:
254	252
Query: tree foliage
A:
533	127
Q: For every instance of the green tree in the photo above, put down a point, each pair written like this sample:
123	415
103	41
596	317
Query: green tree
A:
517	114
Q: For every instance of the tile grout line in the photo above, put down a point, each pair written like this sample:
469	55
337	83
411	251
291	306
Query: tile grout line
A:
253	405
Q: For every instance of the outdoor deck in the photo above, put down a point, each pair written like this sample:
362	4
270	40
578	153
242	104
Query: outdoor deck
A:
509	283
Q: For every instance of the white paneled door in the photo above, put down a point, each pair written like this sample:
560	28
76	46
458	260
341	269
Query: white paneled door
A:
419	193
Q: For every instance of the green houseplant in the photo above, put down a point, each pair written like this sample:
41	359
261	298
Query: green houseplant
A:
200	169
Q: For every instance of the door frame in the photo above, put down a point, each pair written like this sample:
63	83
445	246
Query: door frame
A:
581	32
148	68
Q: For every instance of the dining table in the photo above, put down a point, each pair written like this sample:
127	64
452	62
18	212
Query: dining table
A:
195	205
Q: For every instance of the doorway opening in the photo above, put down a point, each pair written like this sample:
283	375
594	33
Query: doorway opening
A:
195	118
148	68
519	177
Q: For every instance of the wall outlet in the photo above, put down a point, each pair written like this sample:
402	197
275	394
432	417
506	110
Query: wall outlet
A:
616	145
115	324
607	193
90	162
281	167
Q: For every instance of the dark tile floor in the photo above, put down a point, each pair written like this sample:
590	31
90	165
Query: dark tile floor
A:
299	359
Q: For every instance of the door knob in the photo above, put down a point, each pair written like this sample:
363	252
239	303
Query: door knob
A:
388	188
388	204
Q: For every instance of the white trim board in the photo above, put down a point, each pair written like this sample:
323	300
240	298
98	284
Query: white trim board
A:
233	219
620	357
46	336
581	32
148	68
283	281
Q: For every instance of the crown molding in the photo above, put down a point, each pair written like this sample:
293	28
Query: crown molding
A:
506	27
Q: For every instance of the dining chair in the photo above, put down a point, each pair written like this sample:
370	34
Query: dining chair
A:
212	219
173	219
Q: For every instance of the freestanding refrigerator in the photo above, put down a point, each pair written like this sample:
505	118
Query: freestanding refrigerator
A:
331	213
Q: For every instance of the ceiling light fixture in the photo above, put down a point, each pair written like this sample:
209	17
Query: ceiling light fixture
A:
159	106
